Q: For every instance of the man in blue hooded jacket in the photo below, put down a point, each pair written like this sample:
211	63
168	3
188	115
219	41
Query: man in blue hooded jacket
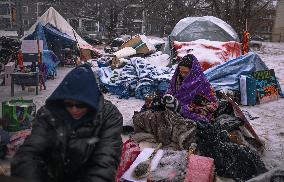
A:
76	135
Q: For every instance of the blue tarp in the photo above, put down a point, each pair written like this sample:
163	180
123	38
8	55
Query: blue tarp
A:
53	43
137	78
51	60
226	76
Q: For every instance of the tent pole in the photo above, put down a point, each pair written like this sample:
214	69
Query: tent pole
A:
77	43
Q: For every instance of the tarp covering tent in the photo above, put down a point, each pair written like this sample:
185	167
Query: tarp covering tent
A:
52	17
206	27
53	42
226	76
53	39
208	53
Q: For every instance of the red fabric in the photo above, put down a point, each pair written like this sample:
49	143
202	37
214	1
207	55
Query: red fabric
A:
245	48
130	152
21	60
16	140
220	51
200	169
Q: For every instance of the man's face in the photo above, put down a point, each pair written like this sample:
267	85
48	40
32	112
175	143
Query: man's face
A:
76	109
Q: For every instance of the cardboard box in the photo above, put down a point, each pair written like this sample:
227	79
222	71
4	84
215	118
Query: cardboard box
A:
9	68
248	90
140	44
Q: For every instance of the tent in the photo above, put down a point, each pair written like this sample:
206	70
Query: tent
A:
53	42
226	76
206	27
53	18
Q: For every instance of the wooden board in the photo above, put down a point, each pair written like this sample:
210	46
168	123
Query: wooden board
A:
239	113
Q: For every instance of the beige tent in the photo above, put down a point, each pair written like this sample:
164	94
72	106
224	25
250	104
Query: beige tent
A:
52	17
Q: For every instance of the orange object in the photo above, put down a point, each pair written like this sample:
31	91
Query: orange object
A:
20	60
39	53
245	45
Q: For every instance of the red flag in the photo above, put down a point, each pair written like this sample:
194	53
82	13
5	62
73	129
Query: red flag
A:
245	48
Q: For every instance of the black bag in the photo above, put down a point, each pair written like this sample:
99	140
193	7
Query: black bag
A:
4	140
231	160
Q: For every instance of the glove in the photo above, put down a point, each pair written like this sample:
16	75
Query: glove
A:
171	103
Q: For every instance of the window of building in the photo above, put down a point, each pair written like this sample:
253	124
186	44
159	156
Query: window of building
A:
4	9
74	23
5	23
25	9
90	25
25	22
158	27
149	27
266	29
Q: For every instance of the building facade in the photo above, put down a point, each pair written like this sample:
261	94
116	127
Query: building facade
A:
20	15
278	28
6	21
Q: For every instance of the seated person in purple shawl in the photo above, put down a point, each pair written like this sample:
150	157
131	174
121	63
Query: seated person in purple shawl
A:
192	90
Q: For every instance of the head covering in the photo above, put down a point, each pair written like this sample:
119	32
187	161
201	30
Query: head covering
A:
195	83
186	61
80	84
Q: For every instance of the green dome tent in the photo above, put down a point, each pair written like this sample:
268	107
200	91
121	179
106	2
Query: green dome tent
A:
206	27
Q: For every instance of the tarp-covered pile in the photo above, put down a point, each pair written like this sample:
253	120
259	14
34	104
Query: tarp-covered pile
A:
137	77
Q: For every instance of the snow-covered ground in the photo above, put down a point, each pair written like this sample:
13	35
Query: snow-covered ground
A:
269	125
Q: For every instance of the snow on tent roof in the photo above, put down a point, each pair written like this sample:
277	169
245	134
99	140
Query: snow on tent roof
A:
185	23
206	27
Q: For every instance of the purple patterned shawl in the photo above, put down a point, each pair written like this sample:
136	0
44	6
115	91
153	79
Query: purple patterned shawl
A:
193	84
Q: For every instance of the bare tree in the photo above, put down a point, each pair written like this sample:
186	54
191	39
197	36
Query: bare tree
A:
168	12
104	12
164	14
238	12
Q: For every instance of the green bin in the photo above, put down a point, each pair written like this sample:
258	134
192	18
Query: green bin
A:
17	114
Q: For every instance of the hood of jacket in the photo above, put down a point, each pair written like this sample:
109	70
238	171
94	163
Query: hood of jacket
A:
79	84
